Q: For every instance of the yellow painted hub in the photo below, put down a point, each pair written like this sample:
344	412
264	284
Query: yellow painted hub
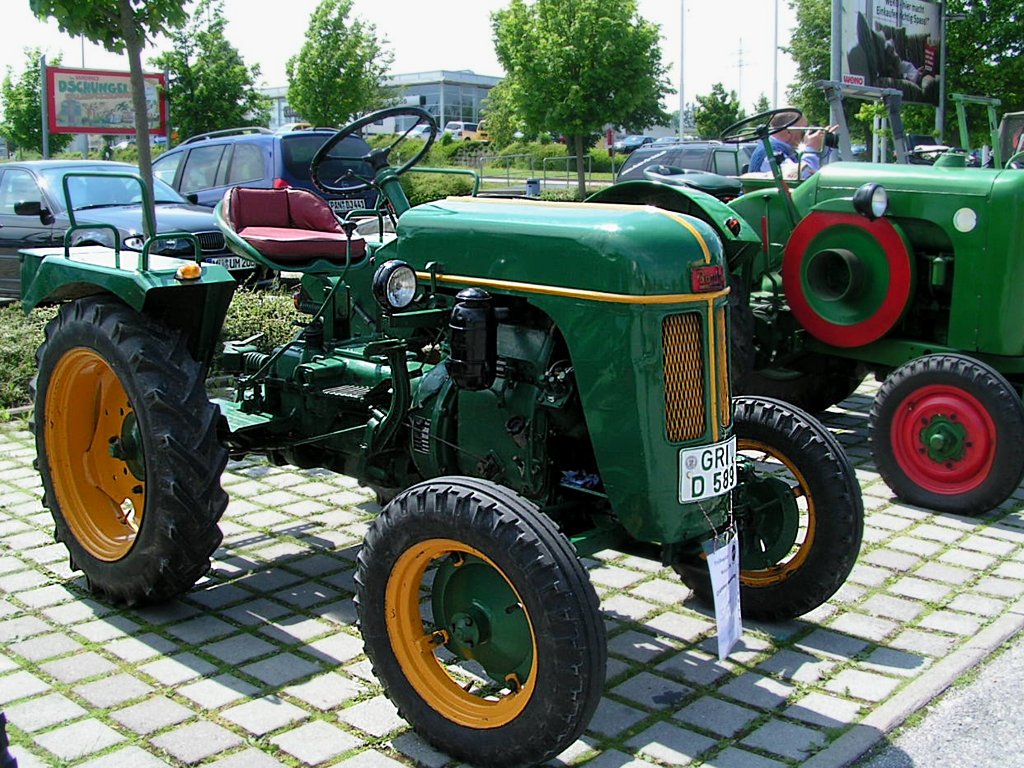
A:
99	496
808	520
416	648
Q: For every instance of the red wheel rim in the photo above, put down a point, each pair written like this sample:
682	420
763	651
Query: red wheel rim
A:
926	413
801	247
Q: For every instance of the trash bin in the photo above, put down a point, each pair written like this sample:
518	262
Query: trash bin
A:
533	187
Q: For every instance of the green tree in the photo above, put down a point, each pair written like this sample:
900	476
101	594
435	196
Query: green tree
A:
575	66
340	70
810	47
500	114
984	58
210	85
761	105
120	26
717	111
23	112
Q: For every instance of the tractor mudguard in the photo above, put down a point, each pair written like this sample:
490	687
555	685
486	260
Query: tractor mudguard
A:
197	307
735	233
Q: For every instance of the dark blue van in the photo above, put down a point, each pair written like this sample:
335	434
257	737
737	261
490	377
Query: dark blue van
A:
209	164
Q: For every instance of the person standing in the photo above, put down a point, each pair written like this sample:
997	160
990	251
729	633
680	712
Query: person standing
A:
794	143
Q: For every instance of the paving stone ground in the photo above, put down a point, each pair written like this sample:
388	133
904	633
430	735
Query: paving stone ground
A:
261	663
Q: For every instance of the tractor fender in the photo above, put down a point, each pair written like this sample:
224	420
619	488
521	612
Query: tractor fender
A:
733	230
196	307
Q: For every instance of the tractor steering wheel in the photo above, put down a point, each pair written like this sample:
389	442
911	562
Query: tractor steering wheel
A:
760	126
378	159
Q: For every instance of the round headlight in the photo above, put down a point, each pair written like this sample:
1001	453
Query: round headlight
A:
871	200
394	285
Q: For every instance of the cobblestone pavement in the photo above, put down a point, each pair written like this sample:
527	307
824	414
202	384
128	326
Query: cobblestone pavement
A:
261	664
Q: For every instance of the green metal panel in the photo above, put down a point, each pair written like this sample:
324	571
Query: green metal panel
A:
631	250
619	366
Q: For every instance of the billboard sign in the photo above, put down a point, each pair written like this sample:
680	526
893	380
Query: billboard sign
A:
99	101
893	44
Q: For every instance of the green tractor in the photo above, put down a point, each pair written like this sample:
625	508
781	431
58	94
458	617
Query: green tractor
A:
907	272
522	383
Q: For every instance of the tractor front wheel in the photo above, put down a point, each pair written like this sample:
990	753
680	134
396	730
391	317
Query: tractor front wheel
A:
128	451
945	434
798	509
480	622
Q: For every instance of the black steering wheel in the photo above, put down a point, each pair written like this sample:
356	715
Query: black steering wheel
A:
378	159
761	125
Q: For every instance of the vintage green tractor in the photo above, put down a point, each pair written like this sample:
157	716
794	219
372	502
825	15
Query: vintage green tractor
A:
522	383
909	272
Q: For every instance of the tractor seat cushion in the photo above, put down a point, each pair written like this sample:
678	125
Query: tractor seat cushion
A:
289	245
291	226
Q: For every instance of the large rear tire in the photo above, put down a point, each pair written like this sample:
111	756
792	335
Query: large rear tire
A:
946	434
128	451
798	509
480	622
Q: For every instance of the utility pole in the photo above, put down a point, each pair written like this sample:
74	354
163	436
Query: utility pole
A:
775	58
739	75
682	58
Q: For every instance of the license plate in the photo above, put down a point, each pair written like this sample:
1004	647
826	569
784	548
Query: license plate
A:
707	472
231	262
345	205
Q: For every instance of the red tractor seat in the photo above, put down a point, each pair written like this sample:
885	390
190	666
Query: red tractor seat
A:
289	226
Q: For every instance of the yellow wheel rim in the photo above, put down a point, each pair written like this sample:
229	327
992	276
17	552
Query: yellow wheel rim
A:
808	522
416	648
94	454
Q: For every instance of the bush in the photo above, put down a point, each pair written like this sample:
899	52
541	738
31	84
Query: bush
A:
426	187
567	194
271	313
251	312
23	335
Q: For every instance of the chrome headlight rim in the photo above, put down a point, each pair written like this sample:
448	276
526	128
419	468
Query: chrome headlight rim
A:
394	285
871	200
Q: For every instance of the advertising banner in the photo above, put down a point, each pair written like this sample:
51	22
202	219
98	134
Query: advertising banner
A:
893	44
99	101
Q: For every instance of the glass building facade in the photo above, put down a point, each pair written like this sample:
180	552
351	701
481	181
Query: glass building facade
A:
446	95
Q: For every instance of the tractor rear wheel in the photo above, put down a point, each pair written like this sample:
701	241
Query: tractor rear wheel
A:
128	451
480	622
798	509
945	434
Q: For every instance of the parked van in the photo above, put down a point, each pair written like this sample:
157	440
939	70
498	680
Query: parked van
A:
461	131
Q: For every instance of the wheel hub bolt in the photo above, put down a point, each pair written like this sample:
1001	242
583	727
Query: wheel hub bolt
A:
464	630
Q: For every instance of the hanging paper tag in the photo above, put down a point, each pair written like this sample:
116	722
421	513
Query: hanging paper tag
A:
724	566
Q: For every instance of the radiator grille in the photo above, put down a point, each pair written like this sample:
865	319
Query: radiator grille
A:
722	369
683	345
210	241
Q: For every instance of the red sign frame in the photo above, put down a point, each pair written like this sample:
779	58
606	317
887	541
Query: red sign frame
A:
121	82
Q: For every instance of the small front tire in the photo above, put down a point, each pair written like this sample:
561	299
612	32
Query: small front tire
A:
480	622
798	509
946	432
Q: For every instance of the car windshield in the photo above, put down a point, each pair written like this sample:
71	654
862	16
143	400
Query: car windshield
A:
299	151
98	192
